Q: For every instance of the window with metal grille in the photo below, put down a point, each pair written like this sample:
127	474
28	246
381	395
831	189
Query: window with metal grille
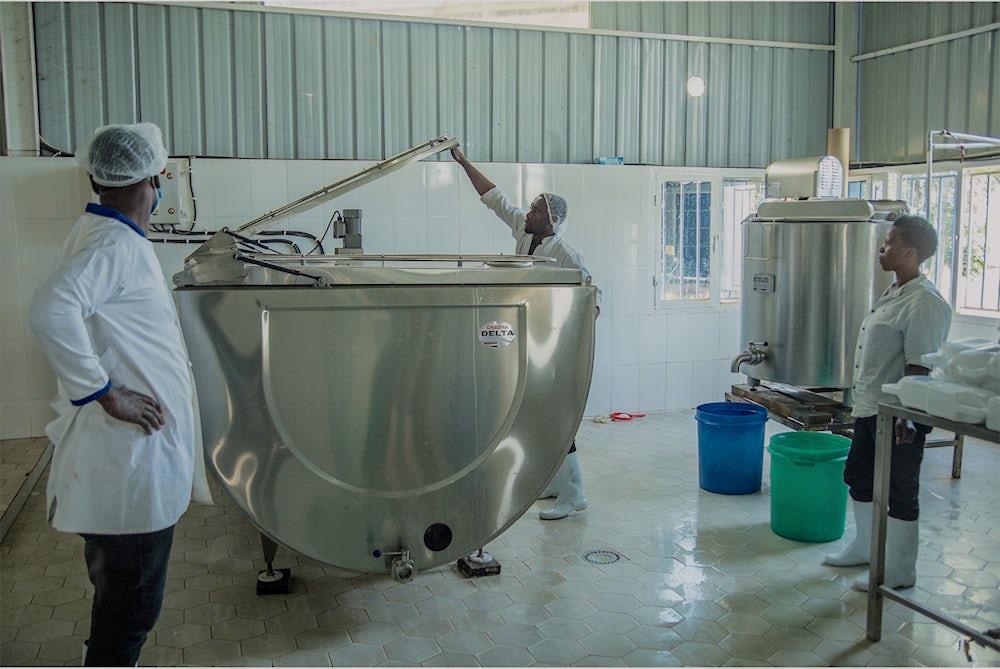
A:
701	237
978	259
687	240
943	213
740	199
965	210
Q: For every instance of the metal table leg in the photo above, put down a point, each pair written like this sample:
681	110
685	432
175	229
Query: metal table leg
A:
956	456
877	591
880	508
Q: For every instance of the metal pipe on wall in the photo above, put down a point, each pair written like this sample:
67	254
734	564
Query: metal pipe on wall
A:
19	95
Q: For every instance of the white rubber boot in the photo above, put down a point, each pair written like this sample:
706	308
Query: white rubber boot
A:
902	538
570	485
859	550
552	489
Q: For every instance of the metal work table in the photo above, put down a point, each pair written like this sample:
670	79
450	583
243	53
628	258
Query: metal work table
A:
876	574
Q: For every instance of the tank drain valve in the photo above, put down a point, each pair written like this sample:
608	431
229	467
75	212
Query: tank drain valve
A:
756	354
400	565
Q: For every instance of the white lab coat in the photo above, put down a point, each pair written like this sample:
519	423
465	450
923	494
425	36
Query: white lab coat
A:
104	315
553	246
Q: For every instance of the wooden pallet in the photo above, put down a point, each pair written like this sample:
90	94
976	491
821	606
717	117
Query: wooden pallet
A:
798	408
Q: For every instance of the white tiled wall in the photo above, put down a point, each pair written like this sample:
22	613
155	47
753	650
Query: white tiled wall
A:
646	359
39	200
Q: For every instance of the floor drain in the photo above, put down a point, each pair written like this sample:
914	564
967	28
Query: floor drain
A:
604	556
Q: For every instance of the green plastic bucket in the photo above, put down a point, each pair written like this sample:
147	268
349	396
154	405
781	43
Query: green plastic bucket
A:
808	493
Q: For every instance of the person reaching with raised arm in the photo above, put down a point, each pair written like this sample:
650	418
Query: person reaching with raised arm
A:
538	231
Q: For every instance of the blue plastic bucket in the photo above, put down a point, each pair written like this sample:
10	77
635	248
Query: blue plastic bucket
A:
808	493
730	447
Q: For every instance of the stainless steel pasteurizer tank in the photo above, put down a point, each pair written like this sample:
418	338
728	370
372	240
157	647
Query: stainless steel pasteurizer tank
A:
378	413
810	276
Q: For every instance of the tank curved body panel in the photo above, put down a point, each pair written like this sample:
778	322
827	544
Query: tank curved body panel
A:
416	412
807	286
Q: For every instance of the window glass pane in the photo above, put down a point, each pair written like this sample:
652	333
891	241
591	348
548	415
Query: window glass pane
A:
879	190
740	199
890	187
857	190
943	203
979	244
687	240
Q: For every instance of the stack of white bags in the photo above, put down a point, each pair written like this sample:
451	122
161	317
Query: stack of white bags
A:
964	385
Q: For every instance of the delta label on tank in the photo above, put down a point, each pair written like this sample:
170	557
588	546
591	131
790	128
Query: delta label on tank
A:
497	334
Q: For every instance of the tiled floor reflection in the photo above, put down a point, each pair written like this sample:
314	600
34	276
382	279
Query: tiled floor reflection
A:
702	581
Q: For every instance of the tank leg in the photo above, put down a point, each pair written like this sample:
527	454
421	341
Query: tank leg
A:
478	564
272	581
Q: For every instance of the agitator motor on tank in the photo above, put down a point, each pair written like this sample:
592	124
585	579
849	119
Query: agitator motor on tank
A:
384	414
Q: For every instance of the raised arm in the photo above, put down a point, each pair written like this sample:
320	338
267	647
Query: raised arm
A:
478	179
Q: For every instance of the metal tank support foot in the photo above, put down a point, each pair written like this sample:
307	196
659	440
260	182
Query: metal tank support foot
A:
478	564
272	581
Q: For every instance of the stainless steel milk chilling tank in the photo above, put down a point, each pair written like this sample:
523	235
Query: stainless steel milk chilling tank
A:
810	276
357	407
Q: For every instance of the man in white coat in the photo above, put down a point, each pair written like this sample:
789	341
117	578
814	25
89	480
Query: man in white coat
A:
128	456
538	231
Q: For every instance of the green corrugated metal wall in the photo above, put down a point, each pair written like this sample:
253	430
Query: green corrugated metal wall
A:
281	84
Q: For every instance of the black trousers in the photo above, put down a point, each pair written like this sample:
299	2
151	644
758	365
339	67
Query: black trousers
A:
904	478
129	573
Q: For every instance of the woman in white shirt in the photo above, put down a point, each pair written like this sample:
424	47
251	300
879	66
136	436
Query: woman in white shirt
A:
909	320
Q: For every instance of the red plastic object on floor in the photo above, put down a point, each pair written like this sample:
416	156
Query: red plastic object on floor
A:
621	415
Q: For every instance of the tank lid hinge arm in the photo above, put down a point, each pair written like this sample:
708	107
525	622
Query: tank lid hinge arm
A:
320	281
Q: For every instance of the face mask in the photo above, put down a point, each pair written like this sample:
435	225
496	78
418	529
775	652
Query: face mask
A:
156	205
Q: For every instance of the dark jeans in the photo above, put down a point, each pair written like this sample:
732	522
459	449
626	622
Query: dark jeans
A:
904	478
129	573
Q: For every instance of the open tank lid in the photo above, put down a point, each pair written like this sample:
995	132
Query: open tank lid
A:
223	241
224	257
356	180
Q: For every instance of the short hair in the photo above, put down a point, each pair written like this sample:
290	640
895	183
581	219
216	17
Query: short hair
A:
915	231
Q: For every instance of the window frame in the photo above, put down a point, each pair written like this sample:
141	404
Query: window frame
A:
716	177
964	197
892	177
